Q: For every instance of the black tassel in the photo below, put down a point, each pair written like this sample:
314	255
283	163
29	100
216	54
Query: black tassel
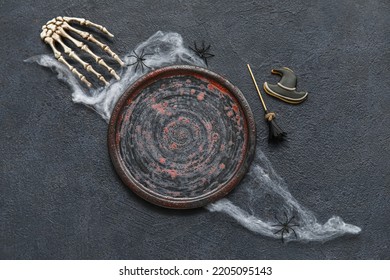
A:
276	134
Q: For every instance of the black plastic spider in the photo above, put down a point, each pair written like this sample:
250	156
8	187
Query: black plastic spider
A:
140	60
202	52
286	226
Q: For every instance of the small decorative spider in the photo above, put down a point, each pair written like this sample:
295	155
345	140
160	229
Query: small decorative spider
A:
202	52
286	226
140	60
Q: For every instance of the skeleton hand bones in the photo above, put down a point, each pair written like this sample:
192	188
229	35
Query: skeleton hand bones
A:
57	28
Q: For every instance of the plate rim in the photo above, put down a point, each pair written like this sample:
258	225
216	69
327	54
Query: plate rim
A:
166	201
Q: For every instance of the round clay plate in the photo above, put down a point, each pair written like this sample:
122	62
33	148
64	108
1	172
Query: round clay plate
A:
181	137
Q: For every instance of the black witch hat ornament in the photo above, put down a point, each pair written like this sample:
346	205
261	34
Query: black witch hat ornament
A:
276	134
286	89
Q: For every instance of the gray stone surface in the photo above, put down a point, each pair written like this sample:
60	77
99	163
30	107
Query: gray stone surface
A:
60	197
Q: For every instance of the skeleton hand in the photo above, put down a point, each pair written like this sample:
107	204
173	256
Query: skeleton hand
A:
58	27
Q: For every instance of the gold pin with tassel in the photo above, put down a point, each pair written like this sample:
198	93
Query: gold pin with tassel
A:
276	134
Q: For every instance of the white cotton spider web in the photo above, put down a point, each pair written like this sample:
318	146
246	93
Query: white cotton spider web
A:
264	198
261	199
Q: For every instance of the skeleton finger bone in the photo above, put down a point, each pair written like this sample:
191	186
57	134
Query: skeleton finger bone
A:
56	29
74	56
61	59
89	37
83	21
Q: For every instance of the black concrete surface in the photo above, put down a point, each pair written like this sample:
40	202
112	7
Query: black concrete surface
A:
60	197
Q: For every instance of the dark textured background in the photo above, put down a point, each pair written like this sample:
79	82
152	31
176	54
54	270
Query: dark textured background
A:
61	198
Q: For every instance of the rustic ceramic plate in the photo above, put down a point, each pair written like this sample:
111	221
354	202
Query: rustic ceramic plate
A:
181	137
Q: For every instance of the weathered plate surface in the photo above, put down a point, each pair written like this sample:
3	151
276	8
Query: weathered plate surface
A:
181	137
